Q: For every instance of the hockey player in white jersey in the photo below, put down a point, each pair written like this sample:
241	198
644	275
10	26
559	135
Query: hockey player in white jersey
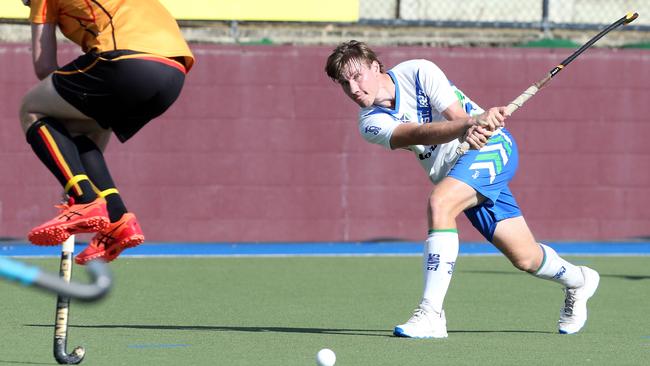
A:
414	104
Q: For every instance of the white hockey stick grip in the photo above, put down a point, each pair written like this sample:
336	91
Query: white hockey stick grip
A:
68	245
520	100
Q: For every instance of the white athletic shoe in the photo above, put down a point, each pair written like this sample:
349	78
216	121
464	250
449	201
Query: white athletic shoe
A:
423	324
574	313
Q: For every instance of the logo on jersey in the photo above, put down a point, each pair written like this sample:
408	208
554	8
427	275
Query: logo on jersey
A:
404	118
423	100
427	154
467	105
373	130
476	174
423	107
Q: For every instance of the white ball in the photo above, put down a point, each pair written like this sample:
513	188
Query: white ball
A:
325	357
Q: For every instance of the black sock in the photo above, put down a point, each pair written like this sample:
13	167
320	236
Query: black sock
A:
95	165
54	147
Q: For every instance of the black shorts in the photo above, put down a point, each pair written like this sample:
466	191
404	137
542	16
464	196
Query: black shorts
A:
121	90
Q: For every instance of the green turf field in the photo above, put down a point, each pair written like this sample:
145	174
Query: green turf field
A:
281	311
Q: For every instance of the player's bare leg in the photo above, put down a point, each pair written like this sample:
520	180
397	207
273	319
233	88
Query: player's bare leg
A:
514	238
449	198
43	100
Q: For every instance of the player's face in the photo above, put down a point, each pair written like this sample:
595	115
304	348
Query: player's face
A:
360	82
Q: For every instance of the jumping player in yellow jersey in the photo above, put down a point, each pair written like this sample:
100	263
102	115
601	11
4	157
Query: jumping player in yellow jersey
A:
133	69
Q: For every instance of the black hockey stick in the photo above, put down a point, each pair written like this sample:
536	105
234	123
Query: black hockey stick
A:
533	89
62	312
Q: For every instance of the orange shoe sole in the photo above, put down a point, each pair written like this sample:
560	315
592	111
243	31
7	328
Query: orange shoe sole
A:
111	254
55	235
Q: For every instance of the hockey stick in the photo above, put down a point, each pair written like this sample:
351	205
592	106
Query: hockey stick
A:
62	311
533	89
33	276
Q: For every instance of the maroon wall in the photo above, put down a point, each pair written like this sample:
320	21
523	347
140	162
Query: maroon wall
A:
261	146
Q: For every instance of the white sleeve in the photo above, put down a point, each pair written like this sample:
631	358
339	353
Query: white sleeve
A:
436	85
377	127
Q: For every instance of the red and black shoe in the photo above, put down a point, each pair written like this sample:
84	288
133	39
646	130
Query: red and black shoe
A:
73	219
109	243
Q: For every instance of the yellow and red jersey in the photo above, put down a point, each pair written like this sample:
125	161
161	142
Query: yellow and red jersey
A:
109	25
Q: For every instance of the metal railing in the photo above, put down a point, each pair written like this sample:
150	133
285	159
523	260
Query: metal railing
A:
545	15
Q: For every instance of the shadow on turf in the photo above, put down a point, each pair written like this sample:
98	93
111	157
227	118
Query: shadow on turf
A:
360	332
625	277
24	363
355	332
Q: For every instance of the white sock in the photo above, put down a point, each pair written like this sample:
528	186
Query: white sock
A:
440	253
558	270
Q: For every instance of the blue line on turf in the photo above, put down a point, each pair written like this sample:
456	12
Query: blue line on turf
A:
21	249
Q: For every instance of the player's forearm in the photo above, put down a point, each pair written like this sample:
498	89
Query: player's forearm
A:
42	71
44	49
429	133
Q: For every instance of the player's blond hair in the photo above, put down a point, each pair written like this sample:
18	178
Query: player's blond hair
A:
347	52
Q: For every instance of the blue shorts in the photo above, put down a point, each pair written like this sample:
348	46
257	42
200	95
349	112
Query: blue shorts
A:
489	172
